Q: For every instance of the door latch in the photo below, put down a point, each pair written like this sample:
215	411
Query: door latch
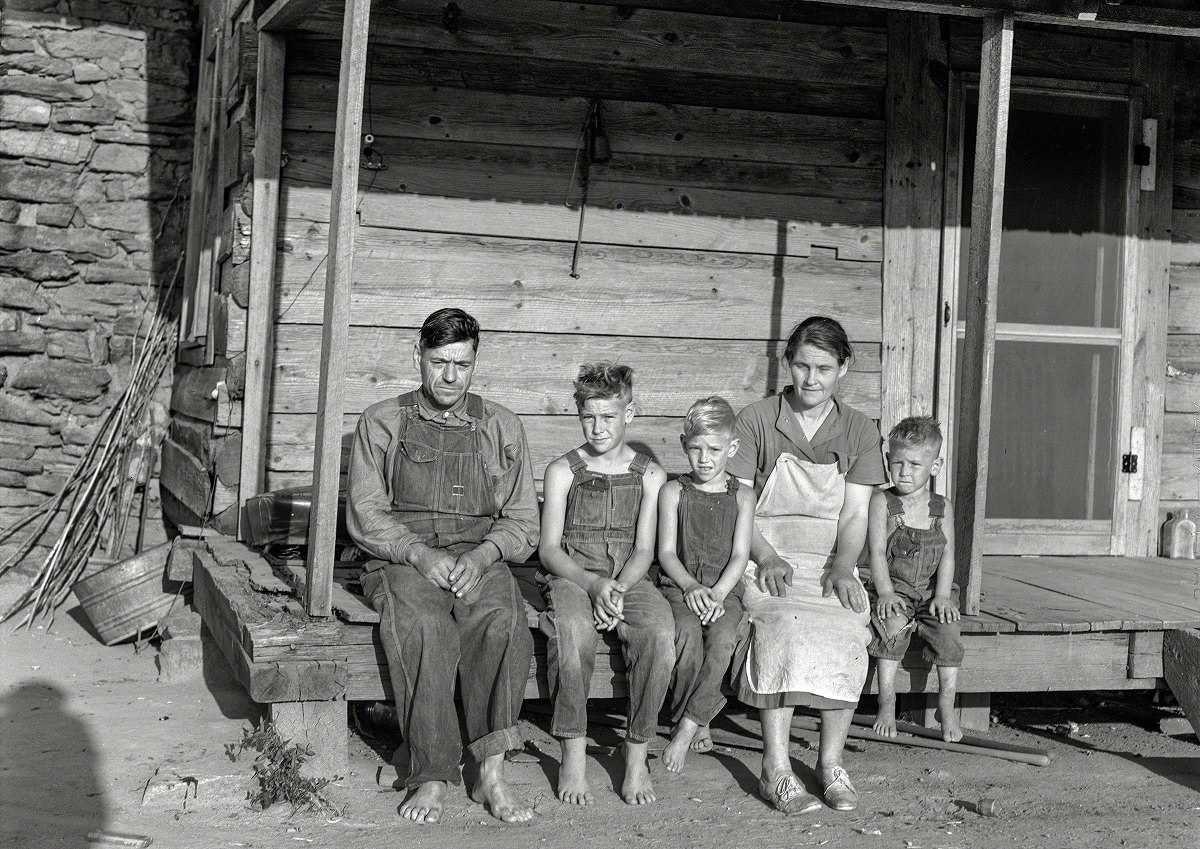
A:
1129	464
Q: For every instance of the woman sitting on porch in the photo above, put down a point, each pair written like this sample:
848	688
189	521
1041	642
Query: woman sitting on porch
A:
813	462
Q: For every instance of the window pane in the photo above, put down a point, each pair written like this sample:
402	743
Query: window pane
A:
1060	254
1054	410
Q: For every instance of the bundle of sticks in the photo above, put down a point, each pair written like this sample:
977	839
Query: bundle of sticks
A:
96	497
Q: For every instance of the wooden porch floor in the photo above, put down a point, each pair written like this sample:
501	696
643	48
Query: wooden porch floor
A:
1073	594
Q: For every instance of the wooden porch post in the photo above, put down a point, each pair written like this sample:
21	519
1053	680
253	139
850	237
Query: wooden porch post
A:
268	131
983	270
335	329
912	202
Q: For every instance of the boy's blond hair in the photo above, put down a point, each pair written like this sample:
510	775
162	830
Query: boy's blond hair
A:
917	432
709	415
603	380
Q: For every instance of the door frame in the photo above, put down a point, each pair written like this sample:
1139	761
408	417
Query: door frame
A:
1066	536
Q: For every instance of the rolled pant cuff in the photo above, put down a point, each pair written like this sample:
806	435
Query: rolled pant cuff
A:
496	743
696	718
633	737
450	776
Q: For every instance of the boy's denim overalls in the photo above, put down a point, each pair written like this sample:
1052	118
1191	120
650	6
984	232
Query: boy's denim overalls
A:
703	653
913	555
598	532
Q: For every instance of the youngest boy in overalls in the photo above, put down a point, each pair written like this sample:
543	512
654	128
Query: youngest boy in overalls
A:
912	585
598	521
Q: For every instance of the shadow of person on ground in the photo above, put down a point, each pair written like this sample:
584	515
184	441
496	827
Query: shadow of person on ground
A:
50	791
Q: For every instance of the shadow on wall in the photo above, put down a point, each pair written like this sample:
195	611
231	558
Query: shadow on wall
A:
50	789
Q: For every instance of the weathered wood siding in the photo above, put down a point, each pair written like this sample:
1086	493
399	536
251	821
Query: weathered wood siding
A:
1181	426
744	193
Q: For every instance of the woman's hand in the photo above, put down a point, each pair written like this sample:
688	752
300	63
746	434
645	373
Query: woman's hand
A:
847	588
774	576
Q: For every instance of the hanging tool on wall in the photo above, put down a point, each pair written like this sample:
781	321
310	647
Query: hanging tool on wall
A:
593	149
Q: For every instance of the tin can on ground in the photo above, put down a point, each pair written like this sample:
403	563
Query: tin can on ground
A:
987	807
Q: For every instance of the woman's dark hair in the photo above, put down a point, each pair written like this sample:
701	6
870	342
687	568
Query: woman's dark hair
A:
820	332
447	326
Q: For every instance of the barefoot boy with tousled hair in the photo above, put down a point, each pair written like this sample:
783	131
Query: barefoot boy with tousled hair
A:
910	542
598	526
441	495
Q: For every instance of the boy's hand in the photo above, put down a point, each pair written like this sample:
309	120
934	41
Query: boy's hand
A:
943	608
435	564
847	588
699	600
889	604
608	602
774	576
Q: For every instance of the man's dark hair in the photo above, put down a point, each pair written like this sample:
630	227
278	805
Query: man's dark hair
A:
447	326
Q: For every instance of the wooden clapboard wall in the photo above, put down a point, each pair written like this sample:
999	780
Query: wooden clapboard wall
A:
1181	426
744	193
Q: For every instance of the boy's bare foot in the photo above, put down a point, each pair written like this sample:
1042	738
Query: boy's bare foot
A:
637	788
948	717
425	804
681	742
494	792
703	741
573	787
885	718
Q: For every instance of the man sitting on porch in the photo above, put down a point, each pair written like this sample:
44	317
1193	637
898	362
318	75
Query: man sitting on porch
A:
441	493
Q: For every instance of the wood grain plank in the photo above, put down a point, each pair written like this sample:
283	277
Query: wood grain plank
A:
334	347
1183	311
532	373
1041	53
1181	668
980	295
564	76
656	228
518	284
486	170
1180	478
403	115
646	39
268	120
1153	66
916	165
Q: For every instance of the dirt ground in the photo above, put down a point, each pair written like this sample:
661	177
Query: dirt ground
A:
90	739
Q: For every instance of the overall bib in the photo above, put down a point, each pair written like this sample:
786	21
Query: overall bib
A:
803	642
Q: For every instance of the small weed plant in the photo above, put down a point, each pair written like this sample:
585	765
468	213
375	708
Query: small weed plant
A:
277	771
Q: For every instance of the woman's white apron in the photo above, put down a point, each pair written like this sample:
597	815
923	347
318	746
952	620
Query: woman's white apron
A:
802	641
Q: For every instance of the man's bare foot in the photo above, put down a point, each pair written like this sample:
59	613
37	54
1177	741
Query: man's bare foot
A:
703	741
494	792
885	718
573	787
681	742
637	788
948	717
425	804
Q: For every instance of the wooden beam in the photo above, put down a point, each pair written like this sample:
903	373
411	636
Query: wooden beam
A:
912	212
1148	285
268	130
1181	668
283	15
1142	18
336	324
983	271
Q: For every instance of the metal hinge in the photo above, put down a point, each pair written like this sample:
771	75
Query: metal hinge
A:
1129	464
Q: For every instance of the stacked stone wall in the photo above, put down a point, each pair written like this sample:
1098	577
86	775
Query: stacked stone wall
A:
96	115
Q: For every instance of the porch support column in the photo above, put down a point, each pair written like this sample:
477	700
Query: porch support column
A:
917	76
268	131
983	270
335	330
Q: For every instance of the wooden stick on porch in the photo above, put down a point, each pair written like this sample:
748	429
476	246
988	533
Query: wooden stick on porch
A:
983	271
268	132
335	329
